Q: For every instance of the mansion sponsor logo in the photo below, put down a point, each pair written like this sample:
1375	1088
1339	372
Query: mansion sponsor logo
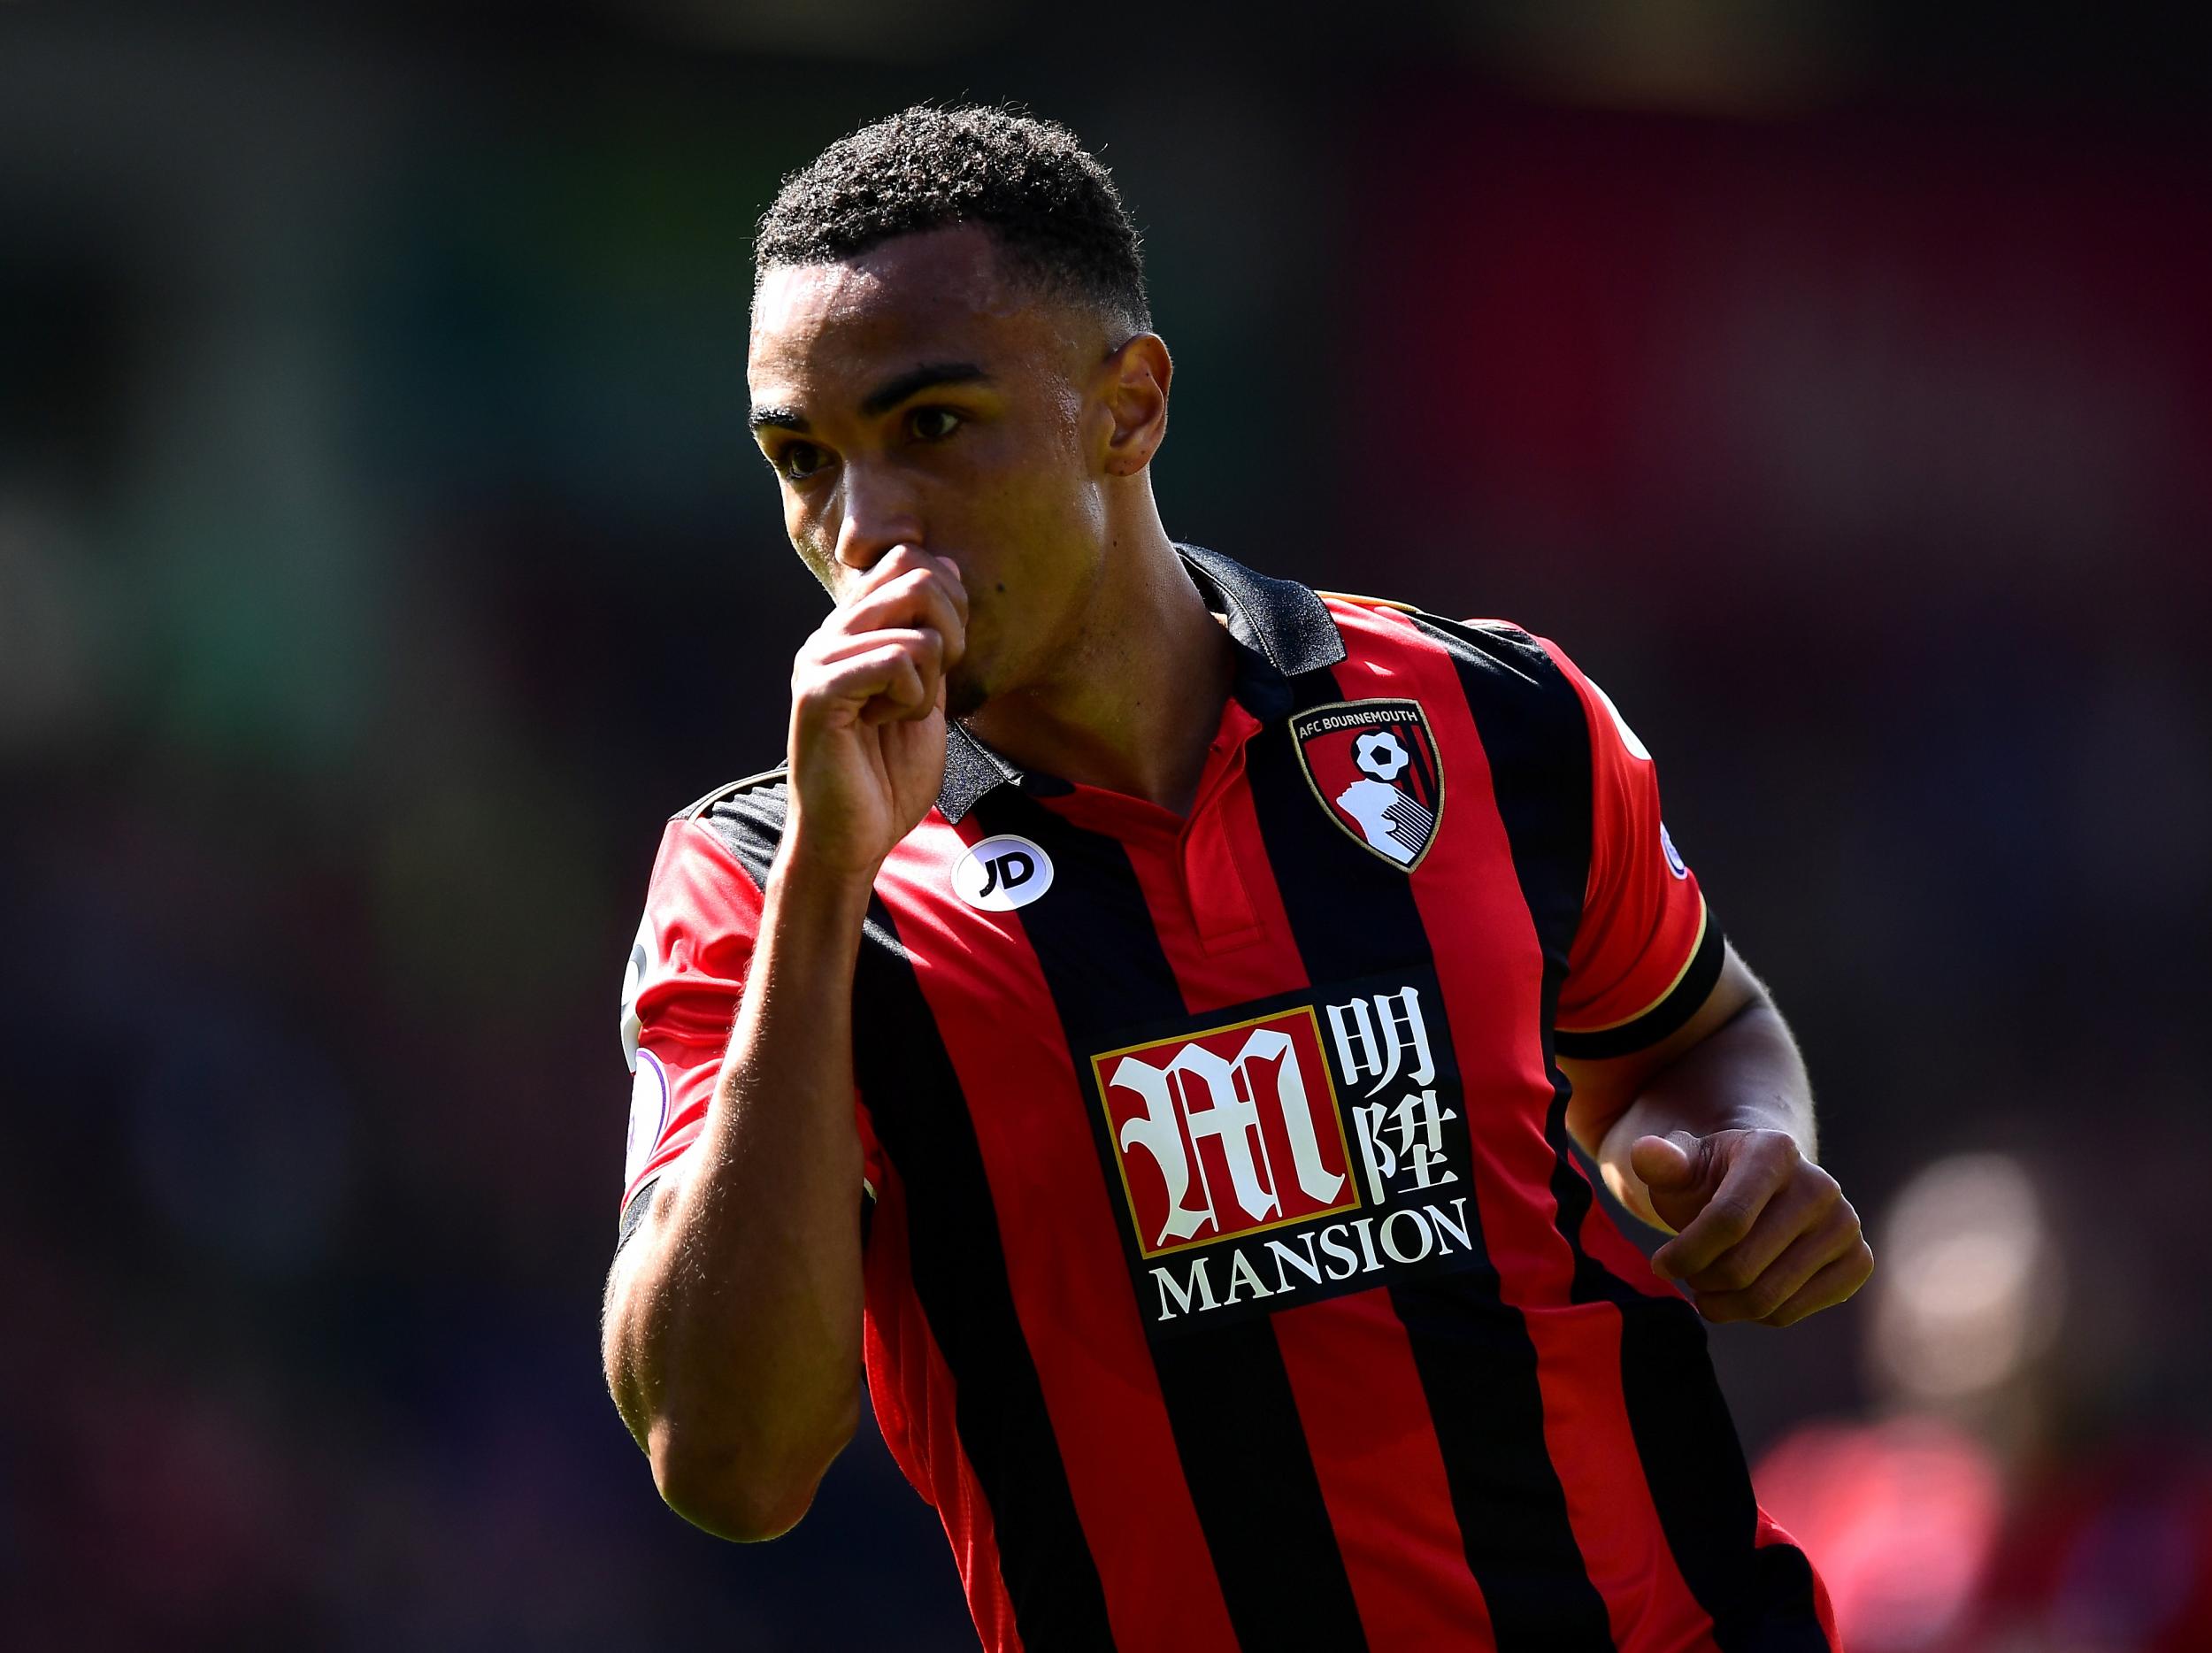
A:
1220	1132
1304	1151
1338	1252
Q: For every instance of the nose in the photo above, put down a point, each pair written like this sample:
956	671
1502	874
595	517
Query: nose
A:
876	512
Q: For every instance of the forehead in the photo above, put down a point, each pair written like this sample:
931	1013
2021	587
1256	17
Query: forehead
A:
942	295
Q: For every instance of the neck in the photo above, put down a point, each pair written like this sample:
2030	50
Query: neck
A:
1133	705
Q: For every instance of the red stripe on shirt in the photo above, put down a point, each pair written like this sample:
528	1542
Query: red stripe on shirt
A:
916	1419
1002	1033
1470	902
1350	1366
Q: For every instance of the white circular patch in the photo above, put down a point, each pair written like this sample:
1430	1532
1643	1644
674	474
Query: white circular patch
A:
649	1114
1001	874
1378	754
1675	864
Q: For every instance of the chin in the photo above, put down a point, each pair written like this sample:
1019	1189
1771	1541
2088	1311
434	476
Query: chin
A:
965	694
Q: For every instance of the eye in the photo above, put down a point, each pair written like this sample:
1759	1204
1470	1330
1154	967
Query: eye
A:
798	461
932	424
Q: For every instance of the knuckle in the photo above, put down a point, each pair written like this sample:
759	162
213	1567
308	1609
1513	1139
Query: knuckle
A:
1733	1273
1729	1222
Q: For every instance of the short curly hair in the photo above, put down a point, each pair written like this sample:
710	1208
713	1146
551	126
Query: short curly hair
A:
1052	207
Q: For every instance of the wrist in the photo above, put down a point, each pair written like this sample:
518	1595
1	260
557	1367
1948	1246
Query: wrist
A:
824	879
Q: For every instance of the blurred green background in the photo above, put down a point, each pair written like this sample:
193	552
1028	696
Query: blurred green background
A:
382	558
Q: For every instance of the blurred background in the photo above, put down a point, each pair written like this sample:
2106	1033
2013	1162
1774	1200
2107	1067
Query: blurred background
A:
382	558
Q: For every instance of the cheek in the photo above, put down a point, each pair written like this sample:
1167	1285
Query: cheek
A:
1051	489
802	528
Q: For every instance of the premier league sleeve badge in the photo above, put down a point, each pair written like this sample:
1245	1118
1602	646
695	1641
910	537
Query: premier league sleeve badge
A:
1373	766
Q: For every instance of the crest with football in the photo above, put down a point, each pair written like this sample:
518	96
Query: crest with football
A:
1372	765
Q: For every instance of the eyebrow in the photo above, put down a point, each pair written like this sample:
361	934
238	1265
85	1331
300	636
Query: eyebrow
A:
885	397
888	394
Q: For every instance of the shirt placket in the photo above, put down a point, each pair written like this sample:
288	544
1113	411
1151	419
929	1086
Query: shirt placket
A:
1221	906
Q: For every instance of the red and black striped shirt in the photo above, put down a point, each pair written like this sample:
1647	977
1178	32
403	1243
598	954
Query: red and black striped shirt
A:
1230	1281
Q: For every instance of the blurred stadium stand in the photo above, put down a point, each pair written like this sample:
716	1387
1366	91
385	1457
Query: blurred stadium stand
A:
382	557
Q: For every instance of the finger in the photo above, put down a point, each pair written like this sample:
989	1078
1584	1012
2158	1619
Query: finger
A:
919	598
1752	1178
956	583
914	725
1800	1261
923	645
878	683
1661	1163
902	561
1799	1209
907	699
1828	1288
825	681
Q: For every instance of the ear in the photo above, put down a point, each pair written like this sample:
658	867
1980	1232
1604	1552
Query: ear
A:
1134	381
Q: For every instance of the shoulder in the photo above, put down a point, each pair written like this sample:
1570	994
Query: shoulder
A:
1496	653
743	819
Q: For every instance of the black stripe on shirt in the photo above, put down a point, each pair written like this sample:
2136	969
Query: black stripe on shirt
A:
958	1269
1538	750
1355	916
1237	1432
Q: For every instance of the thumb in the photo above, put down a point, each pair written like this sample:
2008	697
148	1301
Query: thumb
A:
1665	1162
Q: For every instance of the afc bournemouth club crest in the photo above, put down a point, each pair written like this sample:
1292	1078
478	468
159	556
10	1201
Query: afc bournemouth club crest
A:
1373	766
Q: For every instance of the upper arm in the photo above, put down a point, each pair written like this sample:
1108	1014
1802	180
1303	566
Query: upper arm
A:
1650	973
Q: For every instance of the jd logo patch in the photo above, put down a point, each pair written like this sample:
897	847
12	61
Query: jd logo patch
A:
1373	766
1001	874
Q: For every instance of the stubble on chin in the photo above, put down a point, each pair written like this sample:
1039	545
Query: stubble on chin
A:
965	694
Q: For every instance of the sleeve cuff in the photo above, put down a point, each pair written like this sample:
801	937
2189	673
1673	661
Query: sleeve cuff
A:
1664	1016
633	1211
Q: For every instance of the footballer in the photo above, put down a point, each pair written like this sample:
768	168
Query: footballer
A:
1142	1028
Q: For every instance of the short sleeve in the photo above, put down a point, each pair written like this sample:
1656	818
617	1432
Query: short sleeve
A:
680	999
679	994
1647	952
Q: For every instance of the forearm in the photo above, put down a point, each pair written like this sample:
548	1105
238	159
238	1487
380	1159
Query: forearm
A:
735	1322
1745	1075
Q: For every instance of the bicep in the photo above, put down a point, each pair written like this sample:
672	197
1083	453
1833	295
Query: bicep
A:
1604	1087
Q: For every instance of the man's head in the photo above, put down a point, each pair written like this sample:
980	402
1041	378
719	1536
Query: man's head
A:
951	349
1052	209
